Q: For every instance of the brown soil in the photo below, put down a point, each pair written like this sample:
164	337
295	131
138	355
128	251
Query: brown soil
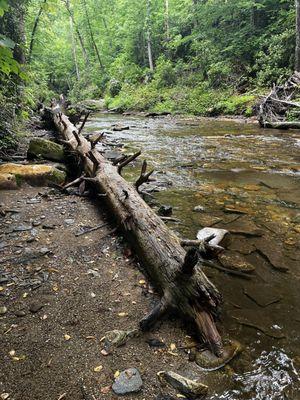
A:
38	362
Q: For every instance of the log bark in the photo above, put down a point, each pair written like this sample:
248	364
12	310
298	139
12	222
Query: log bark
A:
176	274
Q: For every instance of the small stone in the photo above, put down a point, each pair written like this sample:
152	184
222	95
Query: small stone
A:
69	221
129	381
3	310
4	396
35	307
155	343
20	313
199	209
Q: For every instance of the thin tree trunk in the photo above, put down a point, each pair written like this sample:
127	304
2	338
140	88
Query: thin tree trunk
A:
167	26
80	38
74	48
35	26
297	50
92	35
149	46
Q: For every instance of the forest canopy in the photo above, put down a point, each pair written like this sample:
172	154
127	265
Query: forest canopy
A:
193	56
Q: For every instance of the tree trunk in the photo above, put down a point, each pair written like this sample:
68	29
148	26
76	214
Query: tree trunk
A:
167	26
80	38
35	26
92	35
74	49
149	45
176	274
297	49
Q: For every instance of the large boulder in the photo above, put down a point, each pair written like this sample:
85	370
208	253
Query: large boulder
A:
42	148
13	175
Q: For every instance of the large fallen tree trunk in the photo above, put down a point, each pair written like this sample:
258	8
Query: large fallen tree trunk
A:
175	273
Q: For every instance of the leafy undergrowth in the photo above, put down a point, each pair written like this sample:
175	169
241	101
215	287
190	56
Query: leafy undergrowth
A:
199	100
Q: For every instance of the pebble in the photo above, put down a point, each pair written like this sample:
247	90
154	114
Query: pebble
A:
35	307
3	310
198	209
69	221
20	313
155	343
129	381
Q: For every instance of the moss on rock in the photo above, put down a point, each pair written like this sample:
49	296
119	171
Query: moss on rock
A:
42	148
36	175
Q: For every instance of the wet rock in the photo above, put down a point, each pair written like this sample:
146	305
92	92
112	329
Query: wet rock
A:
34	174
244	226
129	381
157	114
237	209
155	343
208	220
262	294
241	245
191	389
42	148
260	320
199	209
113	155
8	182
205	233
207	361
270	249
35	307
235	261
119	128
3	310
165	210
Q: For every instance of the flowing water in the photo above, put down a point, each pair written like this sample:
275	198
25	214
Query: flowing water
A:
246	180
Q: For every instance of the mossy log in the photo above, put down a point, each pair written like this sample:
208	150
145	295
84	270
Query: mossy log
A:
176	274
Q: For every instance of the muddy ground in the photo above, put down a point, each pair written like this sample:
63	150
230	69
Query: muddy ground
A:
62	293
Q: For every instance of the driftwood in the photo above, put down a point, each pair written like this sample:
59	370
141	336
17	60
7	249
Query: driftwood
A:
277	106
176	274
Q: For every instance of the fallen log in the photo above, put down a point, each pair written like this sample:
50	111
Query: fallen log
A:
176	274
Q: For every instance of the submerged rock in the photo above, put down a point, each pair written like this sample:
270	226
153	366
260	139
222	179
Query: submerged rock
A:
235	261
191	389
33	174
129	381
165	210
42	148
210	362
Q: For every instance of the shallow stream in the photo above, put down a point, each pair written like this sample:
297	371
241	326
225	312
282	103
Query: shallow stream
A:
246	180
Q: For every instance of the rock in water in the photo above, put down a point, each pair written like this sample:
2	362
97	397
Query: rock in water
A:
205	233
208	361
42	148
165	210
191	389
129	381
